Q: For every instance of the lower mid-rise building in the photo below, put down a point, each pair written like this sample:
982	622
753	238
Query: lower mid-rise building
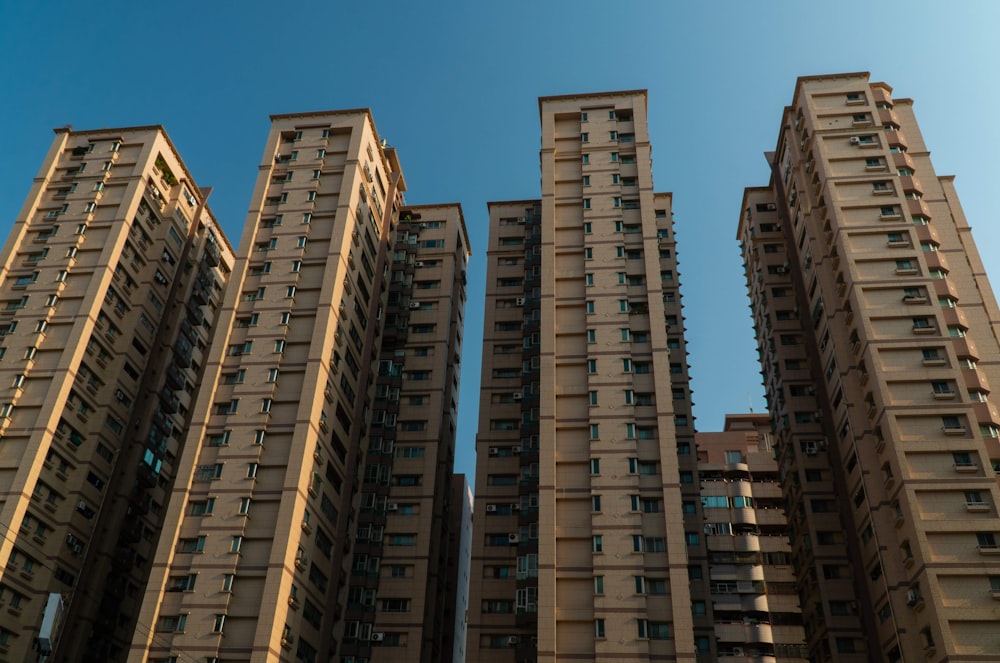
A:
747	588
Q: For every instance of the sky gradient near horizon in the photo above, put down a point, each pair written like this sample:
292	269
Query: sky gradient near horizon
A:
454	85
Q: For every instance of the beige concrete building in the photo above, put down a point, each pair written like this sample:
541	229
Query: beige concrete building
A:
877	333
300	475
752	599
110	282
400	603
584	418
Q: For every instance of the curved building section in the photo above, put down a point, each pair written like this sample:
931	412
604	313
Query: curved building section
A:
754	603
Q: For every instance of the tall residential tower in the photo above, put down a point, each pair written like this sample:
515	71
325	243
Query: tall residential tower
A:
109	281
877	332
310	517
585	432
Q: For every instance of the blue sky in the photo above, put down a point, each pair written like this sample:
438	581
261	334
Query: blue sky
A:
454	85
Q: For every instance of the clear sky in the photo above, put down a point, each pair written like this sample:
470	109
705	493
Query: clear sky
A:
454	84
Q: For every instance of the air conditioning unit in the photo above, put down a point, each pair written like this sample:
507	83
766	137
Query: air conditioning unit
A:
519	301
912	597
513	538
414	304
518	396
392	506
494	451
378	636
511	640
81	506
418	263
515	450
515	507
810	448
855	140
771	207
780	270
737	651
491	508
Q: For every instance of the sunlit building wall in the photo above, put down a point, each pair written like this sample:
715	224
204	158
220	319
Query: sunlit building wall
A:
877	332
585	432
110	283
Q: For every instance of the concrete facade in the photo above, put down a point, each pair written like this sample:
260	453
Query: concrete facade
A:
749	581
110	281
401	599
877	333
310	520
585	411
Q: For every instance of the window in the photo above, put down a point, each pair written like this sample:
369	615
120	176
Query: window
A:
585	158
951	422
584	137
597	543
592	366
598	628
595	433
220	622
586	203
986	540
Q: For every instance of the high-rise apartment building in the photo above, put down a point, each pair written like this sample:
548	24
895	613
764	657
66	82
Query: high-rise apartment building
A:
399	604
310	516
877	333
585	433
748	588
110	281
